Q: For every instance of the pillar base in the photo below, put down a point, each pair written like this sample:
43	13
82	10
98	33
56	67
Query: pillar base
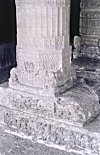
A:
77	106
54	121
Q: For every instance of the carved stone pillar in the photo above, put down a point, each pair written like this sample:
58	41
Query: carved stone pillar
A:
43	58
43	50
90	29
90	22
29	106
88	51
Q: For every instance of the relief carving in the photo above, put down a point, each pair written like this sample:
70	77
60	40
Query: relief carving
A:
29	67
56	43
91	23
68	108
32	105
90	4
59	43
46	118
68	111
50	80
94	14
49	43
49	133
58	3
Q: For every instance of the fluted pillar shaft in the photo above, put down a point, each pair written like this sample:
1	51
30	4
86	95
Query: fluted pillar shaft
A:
43	49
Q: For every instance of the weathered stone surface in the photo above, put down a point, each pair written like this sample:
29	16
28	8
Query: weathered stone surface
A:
90	22
70	107
43	44
87	56
40	102
14	145
89	29
52	133
44	68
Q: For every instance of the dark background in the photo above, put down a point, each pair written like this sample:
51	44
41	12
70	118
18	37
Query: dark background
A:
7	38
7	21
74	19
8	34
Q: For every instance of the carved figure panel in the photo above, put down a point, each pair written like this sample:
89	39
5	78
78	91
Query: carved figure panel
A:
52	133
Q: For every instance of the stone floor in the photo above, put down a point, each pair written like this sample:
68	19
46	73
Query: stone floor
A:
13	145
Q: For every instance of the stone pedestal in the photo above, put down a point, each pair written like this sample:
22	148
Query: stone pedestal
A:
28	121
30	106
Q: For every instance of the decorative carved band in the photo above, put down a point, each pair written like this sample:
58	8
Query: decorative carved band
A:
90	23
90	31
56	43
47	107
53	133
90	4
58	3
93	15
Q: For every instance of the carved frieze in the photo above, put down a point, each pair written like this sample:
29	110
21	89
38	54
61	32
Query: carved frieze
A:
44	43
91	4
71	112
92	31
68	108
91	15
58	3
56	43
51	133
54	108
31	104
90	23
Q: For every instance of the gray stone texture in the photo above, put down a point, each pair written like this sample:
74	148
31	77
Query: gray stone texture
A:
13	145
30	107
